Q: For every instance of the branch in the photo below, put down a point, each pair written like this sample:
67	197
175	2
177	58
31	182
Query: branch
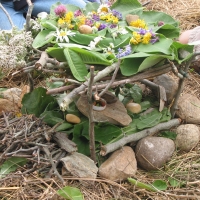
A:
64	102
90	116
8	16
137	136
28	16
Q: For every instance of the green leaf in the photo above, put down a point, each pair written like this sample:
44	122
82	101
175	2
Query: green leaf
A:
76	64
81	141
168	134
71	193
10	165
36	101
149	120
41	39
49	24
136	93
64	126
175	183
145	105
166	115
52	117
160	184
141	185
57	53
91	57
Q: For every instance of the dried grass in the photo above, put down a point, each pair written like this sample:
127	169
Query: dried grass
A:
184	167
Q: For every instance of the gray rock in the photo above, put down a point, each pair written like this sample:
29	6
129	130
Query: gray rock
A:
169	84
120	165
154	152
188	136
80	165
189	109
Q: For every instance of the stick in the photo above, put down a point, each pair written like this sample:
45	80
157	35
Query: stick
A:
90	115
64	103
137	136
28	16
8	16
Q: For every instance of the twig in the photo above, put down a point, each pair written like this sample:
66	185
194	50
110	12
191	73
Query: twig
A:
64	102
90	115
181	84
28	16
111	81
137	136
61	89
8	16
46	150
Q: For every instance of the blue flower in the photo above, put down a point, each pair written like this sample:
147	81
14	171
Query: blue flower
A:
124	52
117	14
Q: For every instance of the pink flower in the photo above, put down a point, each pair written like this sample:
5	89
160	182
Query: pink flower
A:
60	10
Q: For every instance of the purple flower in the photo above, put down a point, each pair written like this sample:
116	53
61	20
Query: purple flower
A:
142	31
117	14
124	52
154	40
77	13
89	22
101	27
113	25
95	17
160	23
60	10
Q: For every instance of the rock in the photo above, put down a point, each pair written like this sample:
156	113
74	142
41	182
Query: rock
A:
85	29
120	165
8	106
188	136
153	152
114	113
12	94
134	107
71	118
130	18
188	109
80	165
169	84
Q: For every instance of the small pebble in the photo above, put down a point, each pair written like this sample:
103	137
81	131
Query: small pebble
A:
73	119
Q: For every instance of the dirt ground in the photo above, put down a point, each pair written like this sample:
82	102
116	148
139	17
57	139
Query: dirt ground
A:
182	167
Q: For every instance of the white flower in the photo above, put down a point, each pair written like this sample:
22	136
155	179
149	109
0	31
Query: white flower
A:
93	44
104	8
42	15
122	31
62	35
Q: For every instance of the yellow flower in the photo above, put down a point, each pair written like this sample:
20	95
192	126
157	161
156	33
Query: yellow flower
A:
104	8
133	41
139	23
61	21
146	38
137	36
68	17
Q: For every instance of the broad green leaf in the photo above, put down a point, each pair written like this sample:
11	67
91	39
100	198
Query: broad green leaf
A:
149	120
136	93
76	64
104	133
36	102
64	126
90	7
127	6
41	39
49	24
145	105
160	184
91	57
70	193
175	183
81	142
83	39
64	45
10	165
169	31
166	115
52	117
57	53
168	134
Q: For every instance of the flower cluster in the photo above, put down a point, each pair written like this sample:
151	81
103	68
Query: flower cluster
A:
139	23
73	20
143	36
124	52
